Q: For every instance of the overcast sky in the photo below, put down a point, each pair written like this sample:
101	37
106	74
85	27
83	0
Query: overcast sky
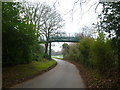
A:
81	17
77	19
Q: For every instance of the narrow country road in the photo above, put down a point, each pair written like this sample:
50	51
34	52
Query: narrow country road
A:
64	75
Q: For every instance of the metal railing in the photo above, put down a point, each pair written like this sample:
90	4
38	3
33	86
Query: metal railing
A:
64	39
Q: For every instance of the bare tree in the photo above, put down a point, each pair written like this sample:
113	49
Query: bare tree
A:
33	12
47	20
52	22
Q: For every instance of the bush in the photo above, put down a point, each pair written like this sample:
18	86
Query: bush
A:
73	53
65	50
93	53
19	39
102	55
15	48
85	49
38	52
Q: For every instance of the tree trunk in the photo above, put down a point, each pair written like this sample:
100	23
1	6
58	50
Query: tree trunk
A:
46	50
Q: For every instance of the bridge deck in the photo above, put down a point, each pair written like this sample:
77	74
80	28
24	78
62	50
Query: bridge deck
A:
64	39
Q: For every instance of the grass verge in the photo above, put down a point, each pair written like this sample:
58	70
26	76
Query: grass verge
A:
58	58
19	73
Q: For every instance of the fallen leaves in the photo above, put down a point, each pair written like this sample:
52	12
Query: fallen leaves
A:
93	79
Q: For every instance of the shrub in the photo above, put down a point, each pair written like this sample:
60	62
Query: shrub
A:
102	56
73	52
85	49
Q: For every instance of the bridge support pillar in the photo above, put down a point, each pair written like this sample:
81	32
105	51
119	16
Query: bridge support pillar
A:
50	51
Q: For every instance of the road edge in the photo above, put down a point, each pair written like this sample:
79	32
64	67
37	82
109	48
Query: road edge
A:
33	76
77	66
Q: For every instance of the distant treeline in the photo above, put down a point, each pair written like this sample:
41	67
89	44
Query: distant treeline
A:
54	53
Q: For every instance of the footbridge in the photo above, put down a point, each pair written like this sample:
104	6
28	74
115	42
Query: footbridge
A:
64	38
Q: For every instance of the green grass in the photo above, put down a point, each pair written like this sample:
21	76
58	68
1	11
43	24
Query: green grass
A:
58	56
19	72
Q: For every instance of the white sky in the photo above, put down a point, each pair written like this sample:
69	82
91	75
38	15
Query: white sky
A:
80	18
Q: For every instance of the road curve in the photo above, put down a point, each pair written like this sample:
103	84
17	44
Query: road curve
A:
64	75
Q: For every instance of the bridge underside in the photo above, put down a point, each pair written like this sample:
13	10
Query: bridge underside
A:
60	39
63	41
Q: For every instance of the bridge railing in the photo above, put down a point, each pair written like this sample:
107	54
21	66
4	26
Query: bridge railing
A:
63	39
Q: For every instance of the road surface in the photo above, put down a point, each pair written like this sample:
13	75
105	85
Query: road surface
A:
64	75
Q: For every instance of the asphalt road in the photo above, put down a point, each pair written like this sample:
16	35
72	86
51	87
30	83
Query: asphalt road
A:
64	75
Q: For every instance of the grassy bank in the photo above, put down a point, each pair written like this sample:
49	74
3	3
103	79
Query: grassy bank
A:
58	57
20	73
